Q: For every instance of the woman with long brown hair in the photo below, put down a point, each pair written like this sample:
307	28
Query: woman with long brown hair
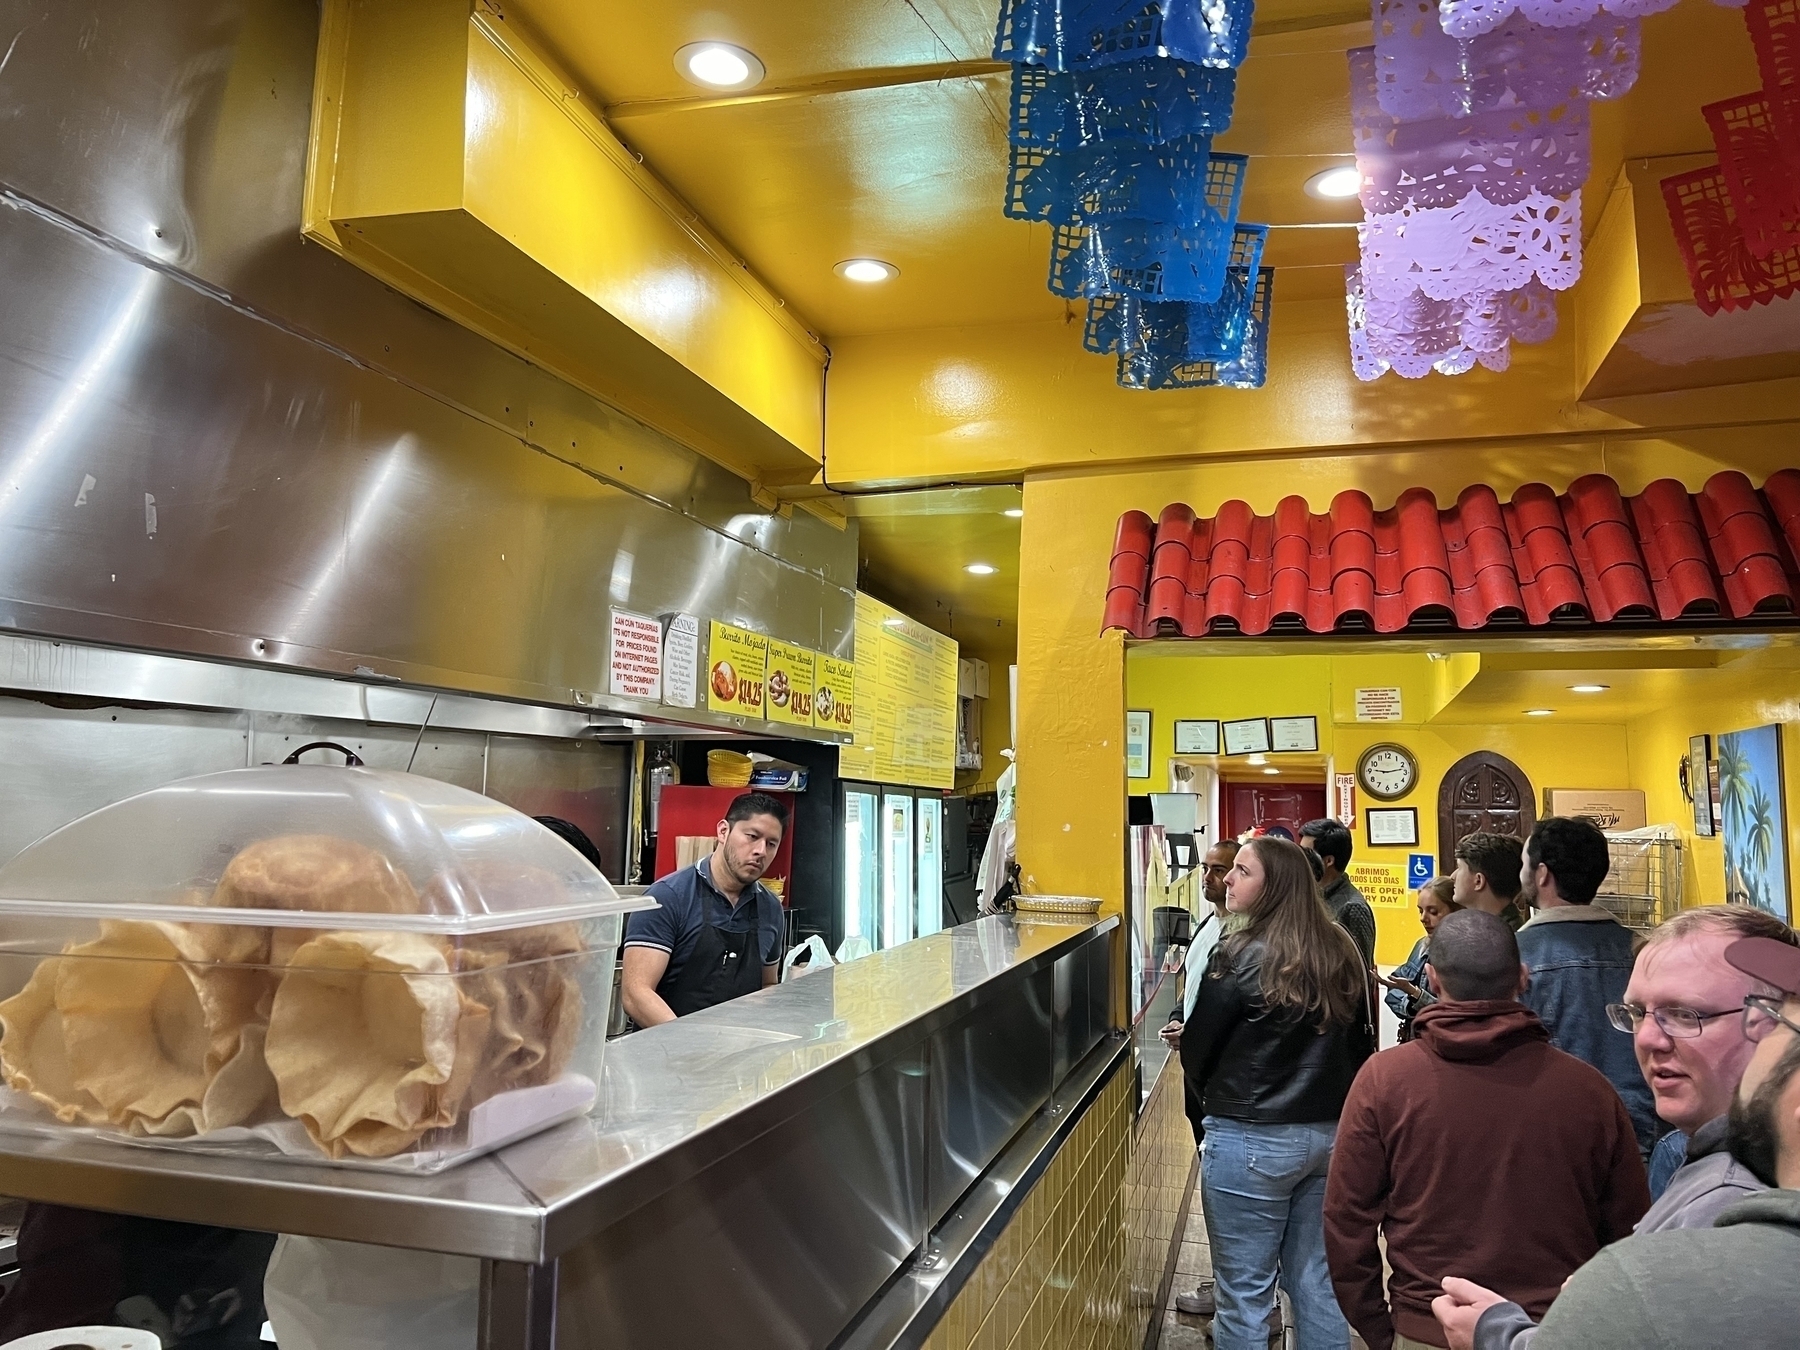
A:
1279	1029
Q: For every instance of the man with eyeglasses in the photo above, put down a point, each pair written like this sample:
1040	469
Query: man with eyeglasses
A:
1684	1012
1703	1028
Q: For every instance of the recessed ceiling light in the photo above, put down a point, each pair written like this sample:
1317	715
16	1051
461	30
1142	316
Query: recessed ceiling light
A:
981	569
1589	688
1334	185
866	270
719	65
1271	770
1540	712
1014	513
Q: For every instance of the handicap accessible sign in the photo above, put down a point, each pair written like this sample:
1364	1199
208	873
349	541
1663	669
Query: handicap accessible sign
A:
1419	870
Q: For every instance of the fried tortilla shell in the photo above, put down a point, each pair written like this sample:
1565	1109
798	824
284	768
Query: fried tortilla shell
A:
529	980
154	1018
34	1056
312	872
371	1043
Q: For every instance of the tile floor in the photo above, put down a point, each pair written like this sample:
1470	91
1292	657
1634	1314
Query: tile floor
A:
1192	1262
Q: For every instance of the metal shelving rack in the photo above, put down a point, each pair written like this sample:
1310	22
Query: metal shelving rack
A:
1643	886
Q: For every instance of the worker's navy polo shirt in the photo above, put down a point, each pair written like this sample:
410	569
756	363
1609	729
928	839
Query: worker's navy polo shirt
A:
687	902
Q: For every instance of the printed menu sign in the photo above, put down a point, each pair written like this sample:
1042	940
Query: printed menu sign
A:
635	663
790	684
834	699
681	661
737	662
904	719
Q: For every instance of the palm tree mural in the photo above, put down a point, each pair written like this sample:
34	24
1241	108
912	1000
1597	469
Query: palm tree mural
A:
1734	780
1751	804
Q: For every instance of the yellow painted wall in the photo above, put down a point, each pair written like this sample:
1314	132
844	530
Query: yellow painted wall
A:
1072	677
1183	686
1759	690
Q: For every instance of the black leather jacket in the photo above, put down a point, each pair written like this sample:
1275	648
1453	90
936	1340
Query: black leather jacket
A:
1245	1062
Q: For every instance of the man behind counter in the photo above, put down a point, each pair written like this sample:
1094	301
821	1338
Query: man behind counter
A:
717	933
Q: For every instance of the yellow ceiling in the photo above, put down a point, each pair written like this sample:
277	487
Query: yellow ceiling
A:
808	170
916	547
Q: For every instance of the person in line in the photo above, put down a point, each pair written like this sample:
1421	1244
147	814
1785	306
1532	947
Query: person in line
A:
717	933
1581	958
1218	924
1730	1285
1349	906
1406	986
1475	1147
1682	1009
1487	875
1277	1034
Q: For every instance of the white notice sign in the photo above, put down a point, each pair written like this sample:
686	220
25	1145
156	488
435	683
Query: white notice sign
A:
636	661
1378	705
681	662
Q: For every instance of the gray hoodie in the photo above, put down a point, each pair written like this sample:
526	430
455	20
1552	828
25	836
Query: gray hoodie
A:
1731	1286
1703	1187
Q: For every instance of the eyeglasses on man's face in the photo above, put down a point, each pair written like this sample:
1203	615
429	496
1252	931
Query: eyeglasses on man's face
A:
1674	1020
1762	1013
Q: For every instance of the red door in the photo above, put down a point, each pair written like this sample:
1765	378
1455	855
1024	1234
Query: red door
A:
1271	806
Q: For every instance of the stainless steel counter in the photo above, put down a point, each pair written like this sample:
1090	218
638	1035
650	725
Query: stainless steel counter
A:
797	1146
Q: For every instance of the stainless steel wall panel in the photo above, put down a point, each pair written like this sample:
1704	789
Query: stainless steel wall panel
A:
990	1072
452	756
291	463
585	783
62	762
57	764
284	506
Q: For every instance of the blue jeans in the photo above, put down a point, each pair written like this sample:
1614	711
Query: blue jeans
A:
1263	1190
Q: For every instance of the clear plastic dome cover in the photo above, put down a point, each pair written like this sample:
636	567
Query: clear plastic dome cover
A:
280	845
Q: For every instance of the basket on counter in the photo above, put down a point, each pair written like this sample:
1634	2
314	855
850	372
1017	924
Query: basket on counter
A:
1063	906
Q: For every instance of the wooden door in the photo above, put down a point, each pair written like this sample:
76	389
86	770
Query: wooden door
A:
1483	792
1284	806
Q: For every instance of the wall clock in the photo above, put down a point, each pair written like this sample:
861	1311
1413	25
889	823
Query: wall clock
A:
1387	771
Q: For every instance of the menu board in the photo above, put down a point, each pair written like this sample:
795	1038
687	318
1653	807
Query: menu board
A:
736	666
904	716
790	684
834	694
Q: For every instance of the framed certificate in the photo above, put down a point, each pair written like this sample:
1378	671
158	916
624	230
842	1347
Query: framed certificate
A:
1392	826
1137	743
1294	733
1696	785
1247	737
1197	738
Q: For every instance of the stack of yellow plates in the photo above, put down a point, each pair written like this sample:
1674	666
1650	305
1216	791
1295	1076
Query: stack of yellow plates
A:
727	768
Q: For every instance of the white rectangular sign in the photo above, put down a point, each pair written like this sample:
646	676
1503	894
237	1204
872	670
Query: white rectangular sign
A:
635	663
681	662
1378	705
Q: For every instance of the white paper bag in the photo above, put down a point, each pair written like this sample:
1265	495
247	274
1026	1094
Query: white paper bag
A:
324	1295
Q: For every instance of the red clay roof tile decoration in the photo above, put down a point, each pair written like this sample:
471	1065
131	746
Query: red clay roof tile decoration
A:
1590	556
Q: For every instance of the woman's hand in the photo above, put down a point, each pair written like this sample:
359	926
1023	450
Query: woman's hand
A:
1171	1034
1406	987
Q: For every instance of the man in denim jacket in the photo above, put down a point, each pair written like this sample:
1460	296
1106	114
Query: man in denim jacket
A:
1580	959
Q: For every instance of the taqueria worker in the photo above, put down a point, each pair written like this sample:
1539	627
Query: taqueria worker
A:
717	931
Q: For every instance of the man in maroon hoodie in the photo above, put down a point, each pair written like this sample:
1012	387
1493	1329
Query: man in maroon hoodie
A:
1474	1147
